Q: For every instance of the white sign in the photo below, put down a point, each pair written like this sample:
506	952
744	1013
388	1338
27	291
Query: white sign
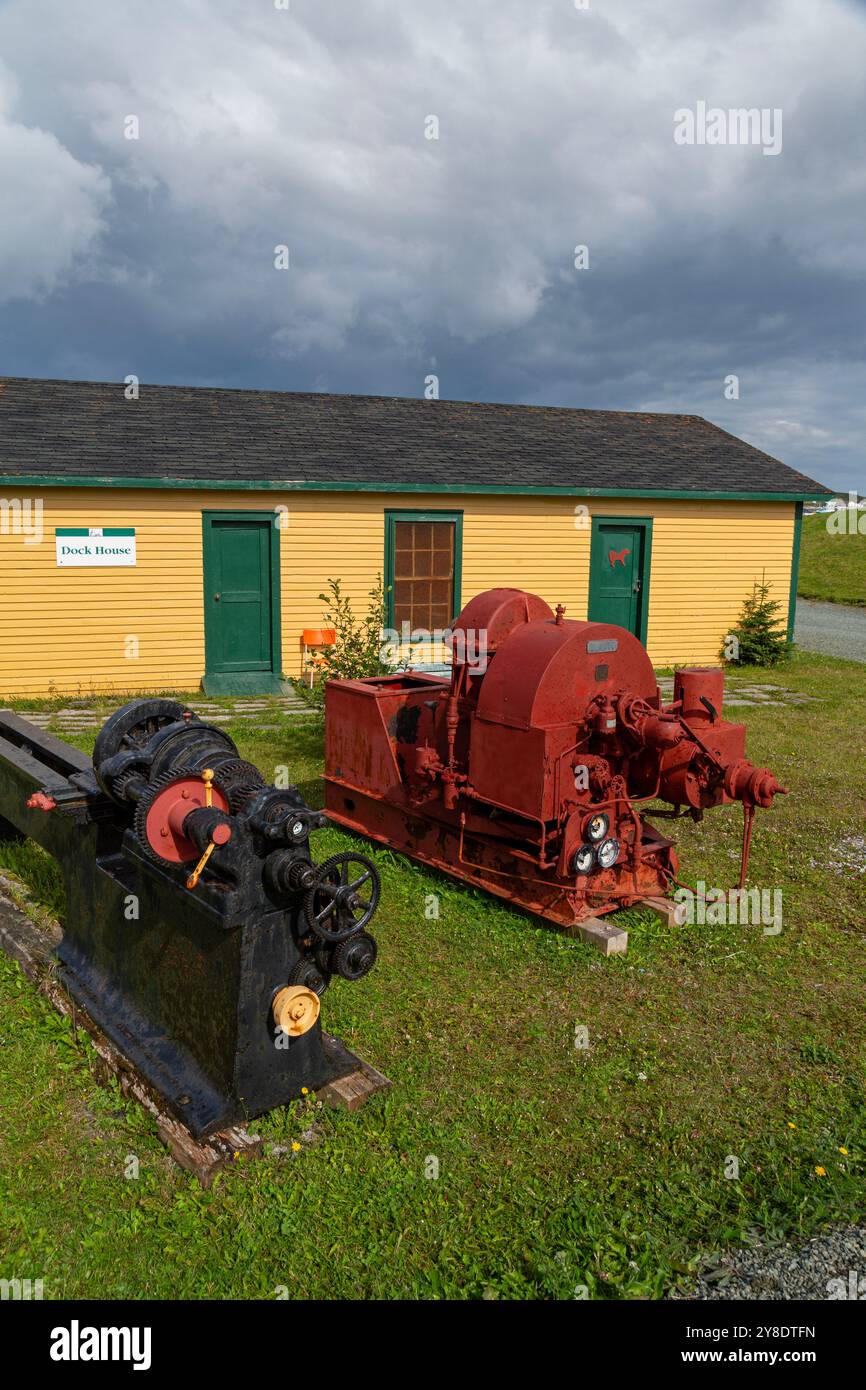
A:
95	545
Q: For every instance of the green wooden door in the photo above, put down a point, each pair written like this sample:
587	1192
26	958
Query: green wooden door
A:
619	573
241	603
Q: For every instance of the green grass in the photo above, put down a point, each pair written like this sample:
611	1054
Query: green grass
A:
558	1167
833	567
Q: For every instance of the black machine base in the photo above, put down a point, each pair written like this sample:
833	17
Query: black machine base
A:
197	923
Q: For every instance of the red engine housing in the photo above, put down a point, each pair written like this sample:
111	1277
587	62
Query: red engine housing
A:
523	772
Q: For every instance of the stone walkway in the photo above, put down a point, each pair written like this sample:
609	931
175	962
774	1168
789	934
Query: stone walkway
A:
268	713
748	694
271	712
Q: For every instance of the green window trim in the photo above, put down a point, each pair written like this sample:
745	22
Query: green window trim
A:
595	559
400	514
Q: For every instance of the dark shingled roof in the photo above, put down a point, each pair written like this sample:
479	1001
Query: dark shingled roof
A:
85	429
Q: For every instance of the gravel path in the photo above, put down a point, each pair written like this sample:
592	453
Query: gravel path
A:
831	1265
834	628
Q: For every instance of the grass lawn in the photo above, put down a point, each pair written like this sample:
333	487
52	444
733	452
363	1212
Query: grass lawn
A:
833	567
558	1167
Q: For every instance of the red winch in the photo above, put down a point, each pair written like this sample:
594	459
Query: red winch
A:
524	772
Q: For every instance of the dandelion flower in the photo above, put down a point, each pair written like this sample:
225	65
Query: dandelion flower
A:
843	1150
296	1148
822	1172
791	1124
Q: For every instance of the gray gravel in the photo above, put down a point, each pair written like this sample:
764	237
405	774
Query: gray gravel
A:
831	1265
834	628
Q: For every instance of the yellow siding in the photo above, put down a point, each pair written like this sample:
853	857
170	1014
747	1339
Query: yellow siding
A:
65	630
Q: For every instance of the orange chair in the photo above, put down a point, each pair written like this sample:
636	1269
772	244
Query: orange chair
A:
312	639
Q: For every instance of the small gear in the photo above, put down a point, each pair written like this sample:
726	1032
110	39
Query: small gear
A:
308	972
355	958
117	785
240	781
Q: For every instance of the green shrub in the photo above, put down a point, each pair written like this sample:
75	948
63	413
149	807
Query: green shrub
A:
761	633
357	650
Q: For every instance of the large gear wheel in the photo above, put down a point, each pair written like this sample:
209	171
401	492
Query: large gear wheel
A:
131	727
151	824
343	898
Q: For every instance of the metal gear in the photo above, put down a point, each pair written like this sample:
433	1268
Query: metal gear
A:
146	802
130	727
240	781
355	958
118	785
308	972
335	907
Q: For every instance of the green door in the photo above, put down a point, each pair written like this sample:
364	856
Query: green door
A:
619	572
241	603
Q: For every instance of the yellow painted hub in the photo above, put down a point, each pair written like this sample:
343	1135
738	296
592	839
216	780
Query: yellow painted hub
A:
296	1009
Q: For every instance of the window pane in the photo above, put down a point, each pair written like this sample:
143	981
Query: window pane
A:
423	573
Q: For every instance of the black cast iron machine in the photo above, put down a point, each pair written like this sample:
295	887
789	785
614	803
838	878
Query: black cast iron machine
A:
199	935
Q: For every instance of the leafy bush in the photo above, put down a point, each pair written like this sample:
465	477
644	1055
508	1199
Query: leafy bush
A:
357	650
761	633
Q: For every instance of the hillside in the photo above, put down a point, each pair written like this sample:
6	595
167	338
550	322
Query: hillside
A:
833	566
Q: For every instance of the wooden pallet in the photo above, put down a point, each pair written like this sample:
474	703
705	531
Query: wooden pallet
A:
32	946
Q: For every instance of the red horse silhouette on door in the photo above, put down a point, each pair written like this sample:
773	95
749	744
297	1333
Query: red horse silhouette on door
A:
614	555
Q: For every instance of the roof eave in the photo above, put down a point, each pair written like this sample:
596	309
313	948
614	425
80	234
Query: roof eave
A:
47	480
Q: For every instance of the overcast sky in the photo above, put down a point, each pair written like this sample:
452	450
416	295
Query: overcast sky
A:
308	126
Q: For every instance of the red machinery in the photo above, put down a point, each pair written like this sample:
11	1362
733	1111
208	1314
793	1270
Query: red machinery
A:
523	774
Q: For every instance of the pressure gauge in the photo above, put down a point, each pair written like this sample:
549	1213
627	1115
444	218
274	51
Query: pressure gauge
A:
608	853
583	860
597	827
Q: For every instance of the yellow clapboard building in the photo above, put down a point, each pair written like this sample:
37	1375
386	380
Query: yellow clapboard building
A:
174	538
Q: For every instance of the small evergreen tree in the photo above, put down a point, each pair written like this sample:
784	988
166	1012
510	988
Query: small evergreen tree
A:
761	633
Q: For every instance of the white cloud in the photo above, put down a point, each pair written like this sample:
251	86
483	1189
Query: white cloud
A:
53	205
260	126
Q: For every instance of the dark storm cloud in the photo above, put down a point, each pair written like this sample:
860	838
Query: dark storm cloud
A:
260	126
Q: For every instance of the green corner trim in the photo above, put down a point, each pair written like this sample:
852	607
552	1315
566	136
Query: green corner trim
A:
404	515
795	569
